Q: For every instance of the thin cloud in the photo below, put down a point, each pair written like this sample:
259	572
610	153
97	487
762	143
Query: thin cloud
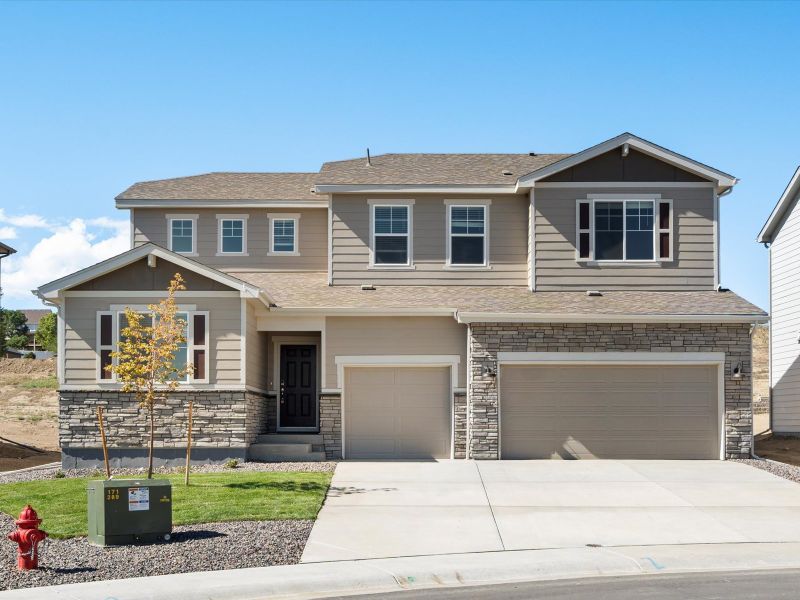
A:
30	220
8	233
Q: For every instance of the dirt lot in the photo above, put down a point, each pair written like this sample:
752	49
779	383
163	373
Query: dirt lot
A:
28	412
780	448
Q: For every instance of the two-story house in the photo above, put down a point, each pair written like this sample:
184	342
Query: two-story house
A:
475	306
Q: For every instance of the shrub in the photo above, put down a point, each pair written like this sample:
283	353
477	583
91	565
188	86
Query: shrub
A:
60	474
232	463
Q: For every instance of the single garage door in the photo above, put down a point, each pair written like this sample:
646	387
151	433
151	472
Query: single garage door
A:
397	412
613	411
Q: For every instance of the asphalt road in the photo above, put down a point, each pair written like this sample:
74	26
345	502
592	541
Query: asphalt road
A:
739	585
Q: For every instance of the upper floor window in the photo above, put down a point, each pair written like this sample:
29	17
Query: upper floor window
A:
467	235
283	233
391	234
232	234
182	233
624	230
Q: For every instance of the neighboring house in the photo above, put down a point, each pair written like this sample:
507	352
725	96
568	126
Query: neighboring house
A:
33	316
427	306
781	234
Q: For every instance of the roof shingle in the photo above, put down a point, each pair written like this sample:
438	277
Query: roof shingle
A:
227	186
434	169
311	290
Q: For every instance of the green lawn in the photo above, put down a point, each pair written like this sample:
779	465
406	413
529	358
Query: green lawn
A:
211	497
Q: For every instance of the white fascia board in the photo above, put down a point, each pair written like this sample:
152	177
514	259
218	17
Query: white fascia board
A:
724	180
479	317
419	189
50	290
784	203
228	204
620	358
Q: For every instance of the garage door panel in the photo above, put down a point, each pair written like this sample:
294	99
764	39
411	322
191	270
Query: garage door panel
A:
627	411
397	412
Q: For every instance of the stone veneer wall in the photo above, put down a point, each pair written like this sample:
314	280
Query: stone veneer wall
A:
221	419
460	424
330	424
487	339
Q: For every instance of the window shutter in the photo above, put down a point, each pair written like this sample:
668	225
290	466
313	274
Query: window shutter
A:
105	345
664	227
199	346
583	228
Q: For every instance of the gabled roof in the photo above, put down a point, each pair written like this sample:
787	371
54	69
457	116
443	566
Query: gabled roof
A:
49	291
434	169
724	180
775	220
225	187
34	315
6	250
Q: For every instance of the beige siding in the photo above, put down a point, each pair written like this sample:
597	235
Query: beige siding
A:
376	336
80	337
256	348
508	234
138	276
785	324
150	225
693	246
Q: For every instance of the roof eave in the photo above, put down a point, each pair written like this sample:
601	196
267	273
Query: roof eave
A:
766	235
482	317
385	188
723	180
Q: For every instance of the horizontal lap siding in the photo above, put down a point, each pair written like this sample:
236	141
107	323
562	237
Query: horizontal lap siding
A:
256	358
80	337
557	269
376	336
150	225
785	326
508	246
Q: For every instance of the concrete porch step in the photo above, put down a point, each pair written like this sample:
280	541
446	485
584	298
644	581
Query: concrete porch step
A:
290	438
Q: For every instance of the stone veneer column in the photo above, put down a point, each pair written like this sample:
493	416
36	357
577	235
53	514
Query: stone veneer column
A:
460	424
487	339
330	424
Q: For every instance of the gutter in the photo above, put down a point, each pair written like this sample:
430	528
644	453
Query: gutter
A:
478	317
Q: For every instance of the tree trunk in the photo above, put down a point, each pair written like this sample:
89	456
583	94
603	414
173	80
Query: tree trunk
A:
150	448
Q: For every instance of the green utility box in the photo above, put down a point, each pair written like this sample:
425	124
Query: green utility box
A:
129	511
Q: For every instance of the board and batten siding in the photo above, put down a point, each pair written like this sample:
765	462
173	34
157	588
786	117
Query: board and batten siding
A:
785	323
391	336
693	245
508	245
151	225
80	336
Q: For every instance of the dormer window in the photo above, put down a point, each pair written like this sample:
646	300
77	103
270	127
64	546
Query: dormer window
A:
624	230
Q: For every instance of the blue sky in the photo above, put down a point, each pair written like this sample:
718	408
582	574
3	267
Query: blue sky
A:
96	96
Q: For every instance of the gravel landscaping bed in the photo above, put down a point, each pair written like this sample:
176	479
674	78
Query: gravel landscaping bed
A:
207	547
789	472
274	467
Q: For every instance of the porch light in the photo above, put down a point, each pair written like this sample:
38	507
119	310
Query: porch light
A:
737	370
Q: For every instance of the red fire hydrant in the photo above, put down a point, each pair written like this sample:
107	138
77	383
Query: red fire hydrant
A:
28	536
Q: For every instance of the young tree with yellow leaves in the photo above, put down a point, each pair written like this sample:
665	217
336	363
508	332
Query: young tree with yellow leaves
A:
144	362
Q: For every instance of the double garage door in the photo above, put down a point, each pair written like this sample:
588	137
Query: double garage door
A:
609	411
546	411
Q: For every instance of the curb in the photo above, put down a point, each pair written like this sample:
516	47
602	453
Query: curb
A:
318	580
35	468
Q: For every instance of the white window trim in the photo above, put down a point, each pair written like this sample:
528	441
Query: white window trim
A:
449	206
624	199
179	217
271	218
116	311
243	219
409	264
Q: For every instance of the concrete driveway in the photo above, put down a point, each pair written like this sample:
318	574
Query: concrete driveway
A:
390	509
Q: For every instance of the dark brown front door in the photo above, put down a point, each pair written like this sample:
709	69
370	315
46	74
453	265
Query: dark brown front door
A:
298	391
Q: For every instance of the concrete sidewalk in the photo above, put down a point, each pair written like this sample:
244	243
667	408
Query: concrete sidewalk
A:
319	580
